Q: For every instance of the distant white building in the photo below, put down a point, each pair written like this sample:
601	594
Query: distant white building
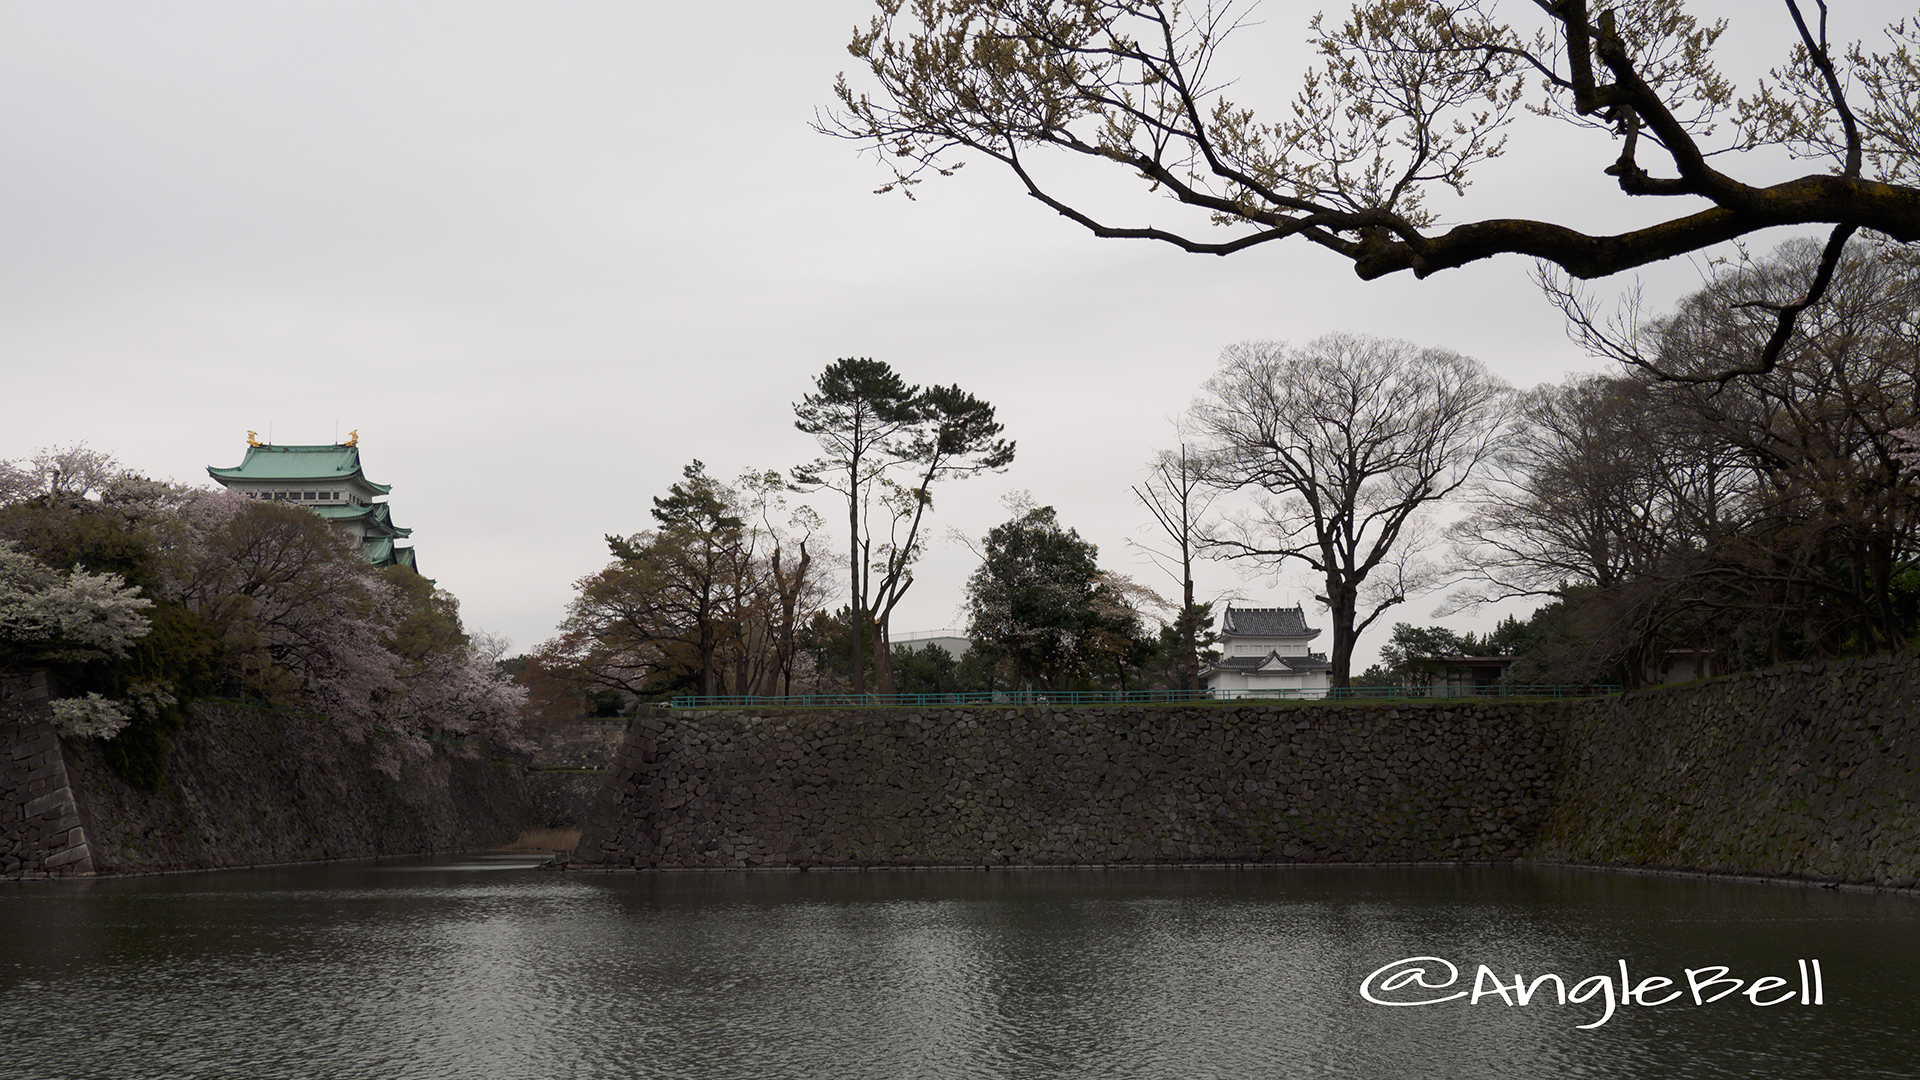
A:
954	642
1265	649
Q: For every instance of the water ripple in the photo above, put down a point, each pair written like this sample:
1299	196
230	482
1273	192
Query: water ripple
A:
439	971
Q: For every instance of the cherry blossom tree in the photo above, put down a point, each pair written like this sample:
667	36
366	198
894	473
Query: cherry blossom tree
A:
73	472
54	618
181	591
450	681
1408	100
73	615
298	612
1911	454
16	483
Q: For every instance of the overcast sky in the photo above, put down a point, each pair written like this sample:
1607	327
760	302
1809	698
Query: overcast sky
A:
540	256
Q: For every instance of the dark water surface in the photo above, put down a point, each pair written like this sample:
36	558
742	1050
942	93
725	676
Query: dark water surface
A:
484	967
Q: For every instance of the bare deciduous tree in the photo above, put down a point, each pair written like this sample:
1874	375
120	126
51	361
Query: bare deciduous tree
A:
1607	492
1770	512
1348	439
1833	522
1602	481
1176	493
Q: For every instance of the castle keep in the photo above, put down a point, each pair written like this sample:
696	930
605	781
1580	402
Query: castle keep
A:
328	481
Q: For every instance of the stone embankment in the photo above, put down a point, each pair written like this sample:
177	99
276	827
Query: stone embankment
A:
568	771
1809	771
1063	785
244	786
40	828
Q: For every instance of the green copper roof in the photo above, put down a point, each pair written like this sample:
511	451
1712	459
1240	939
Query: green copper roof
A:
386	553
379	515
287	470
299	463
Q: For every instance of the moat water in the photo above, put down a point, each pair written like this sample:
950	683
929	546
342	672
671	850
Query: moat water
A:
488	968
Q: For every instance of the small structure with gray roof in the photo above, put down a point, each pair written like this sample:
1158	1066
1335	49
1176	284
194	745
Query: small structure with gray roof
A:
1265	649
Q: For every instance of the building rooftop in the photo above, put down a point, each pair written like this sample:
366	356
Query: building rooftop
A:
277	472
267	462
383	552
1266	622
379	516
1275	662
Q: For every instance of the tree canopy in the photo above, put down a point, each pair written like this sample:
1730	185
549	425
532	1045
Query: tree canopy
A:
1040	600
1763	520
1409	98
1346	441
139	596
707	603
873	426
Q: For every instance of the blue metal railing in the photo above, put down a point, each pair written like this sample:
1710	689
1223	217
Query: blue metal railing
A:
1128	697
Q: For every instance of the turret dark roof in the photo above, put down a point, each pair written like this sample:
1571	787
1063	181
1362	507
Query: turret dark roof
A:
1266	622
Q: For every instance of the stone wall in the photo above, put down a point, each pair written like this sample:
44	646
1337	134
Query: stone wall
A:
1040	785
40	830
568	771
249	786
1809	771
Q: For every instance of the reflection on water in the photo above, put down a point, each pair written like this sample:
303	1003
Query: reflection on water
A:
486	967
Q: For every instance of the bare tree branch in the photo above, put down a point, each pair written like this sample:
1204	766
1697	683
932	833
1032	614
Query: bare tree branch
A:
1408	97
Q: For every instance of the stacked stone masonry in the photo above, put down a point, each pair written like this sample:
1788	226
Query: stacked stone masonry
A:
1809	771
569	769
246	786
42	830
40	827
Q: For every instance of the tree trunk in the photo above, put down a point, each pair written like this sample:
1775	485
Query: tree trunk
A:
707	649
1341	608
856	610
1190	636
882	661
